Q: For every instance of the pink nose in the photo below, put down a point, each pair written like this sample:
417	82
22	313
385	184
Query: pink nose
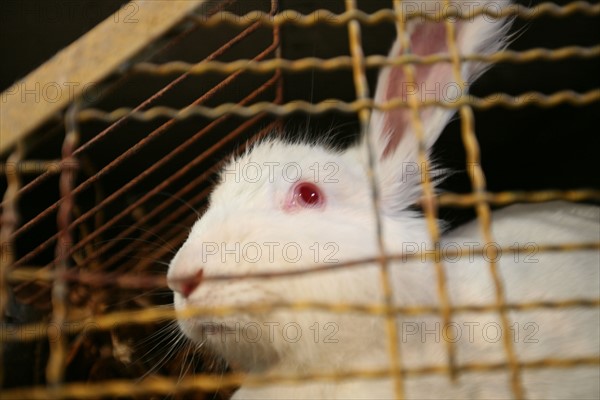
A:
185	285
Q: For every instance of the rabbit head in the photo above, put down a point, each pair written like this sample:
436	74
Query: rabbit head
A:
283	206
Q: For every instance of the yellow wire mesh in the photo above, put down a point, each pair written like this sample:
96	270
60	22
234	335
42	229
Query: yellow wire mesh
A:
480	198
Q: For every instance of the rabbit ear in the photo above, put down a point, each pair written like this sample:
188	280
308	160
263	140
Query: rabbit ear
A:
480	34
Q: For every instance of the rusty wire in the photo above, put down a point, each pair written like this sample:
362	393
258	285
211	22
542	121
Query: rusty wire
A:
139	145
149	194
136	148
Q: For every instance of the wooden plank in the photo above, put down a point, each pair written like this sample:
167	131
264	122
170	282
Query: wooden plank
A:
51	87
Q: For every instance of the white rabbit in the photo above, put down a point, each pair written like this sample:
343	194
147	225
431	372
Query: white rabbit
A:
283	206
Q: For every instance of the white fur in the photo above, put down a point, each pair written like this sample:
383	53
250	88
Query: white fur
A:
248	211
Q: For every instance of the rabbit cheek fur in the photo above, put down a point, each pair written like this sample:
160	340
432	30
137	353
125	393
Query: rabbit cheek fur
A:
252	212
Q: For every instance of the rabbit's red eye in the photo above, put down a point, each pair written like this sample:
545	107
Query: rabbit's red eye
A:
307	195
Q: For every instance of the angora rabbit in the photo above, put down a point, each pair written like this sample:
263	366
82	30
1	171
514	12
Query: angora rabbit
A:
287	205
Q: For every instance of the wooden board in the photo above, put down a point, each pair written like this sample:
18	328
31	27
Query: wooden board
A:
50	88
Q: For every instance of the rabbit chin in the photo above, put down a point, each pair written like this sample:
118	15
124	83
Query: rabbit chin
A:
228	339
303	341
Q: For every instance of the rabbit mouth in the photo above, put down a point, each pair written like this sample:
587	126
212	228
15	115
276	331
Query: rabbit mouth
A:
241	343
233	329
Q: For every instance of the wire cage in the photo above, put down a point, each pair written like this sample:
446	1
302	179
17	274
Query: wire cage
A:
111	148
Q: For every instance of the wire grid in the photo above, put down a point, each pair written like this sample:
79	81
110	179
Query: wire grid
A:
117	271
